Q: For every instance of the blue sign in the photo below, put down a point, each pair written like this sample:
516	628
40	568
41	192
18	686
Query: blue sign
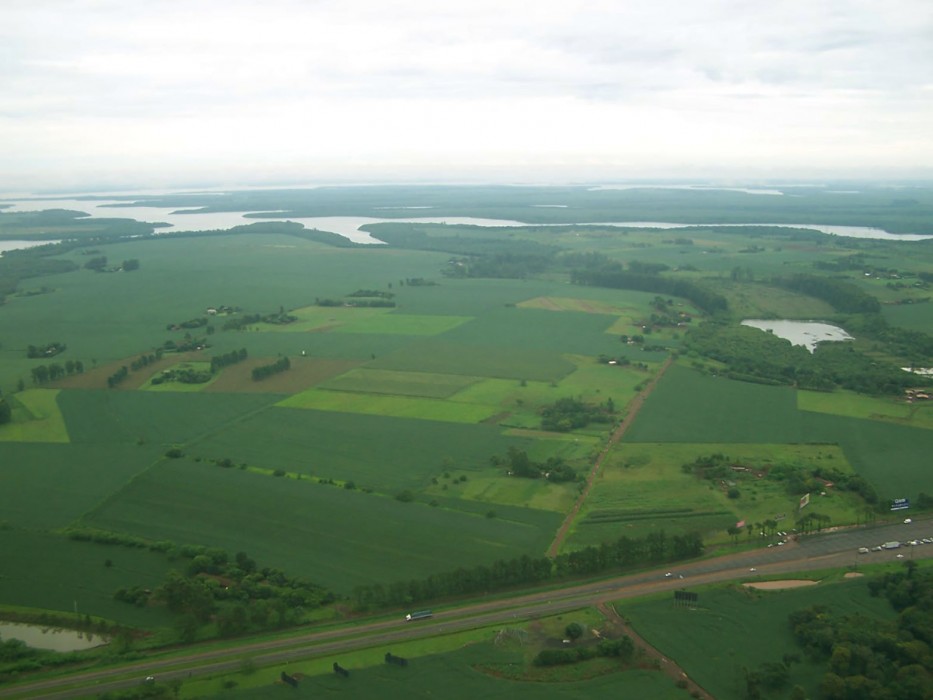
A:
900	504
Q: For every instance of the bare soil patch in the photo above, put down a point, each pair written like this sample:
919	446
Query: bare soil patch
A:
852	574
780	585
96	378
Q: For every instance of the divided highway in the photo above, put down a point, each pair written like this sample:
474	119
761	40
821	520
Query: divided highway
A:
814	552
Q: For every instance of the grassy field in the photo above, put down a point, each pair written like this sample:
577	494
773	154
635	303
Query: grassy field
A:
916	317
331	535
735	628
642	488
423	384
36	418
852	405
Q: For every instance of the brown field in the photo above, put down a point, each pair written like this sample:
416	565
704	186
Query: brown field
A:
96	378
566	304
304	373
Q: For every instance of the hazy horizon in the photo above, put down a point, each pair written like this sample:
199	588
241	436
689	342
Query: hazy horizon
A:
100	94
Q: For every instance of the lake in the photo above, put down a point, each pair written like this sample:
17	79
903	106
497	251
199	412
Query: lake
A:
806	333
348	226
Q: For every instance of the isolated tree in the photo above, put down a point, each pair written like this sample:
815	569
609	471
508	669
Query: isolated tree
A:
574	630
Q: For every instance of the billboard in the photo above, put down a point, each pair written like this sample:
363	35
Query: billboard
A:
804	500
900	504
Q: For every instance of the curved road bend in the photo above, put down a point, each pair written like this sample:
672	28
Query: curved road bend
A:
827	550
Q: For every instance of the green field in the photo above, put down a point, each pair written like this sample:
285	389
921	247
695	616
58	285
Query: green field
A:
369	459
453	676
690	407
396	406
734	629
42	571
384	453
331	535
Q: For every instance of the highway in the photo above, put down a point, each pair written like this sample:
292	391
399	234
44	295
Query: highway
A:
827	550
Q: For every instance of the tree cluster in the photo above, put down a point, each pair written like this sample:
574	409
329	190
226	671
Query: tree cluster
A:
6	411
870	658
622	648
49	350
266	371
754	356
518	464
568	414
840	294
614	277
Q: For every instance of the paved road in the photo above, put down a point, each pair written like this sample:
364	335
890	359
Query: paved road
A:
823	551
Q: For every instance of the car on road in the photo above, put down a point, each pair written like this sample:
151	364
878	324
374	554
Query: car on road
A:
753	569
863	550
668	574
150	679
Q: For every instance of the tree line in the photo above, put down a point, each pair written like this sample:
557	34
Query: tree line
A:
266	371
614	277
624	553
49	373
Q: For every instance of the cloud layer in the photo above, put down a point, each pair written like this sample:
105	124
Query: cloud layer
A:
175	92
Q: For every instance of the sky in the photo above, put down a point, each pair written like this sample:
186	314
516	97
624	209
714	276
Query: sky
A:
166	93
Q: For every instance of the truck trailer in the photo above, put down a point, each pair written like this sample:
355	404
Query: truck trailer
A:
420	615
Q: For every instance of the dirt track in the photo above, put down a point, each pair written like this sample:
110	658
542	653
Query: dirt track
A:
633	408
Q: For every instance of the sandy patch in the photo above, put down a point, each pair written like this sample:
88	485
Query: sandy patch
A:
780	585
852	574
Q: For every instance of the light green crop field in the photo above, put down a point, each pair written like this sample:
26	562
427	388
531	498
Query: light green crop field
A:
49	572
424	384
36	418
735	628
396	406
328	534
852	405
319	318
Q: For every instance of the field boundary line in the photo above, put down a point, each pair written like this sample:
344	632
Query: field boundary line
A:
634	408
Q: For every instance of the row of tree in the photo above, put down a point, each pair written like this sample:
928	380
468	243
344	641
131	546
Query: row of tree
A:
218	362
266	371
624	553
49	373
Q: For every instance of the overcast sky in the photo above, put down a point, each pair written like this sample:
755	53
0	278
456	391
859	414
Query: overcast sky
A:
164	93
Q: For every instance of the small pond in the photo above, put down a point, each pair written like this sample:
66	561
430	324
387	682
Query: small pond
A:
806	333
53	638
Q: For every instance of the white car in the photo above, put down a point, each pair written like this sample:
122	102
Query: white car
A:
753	569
